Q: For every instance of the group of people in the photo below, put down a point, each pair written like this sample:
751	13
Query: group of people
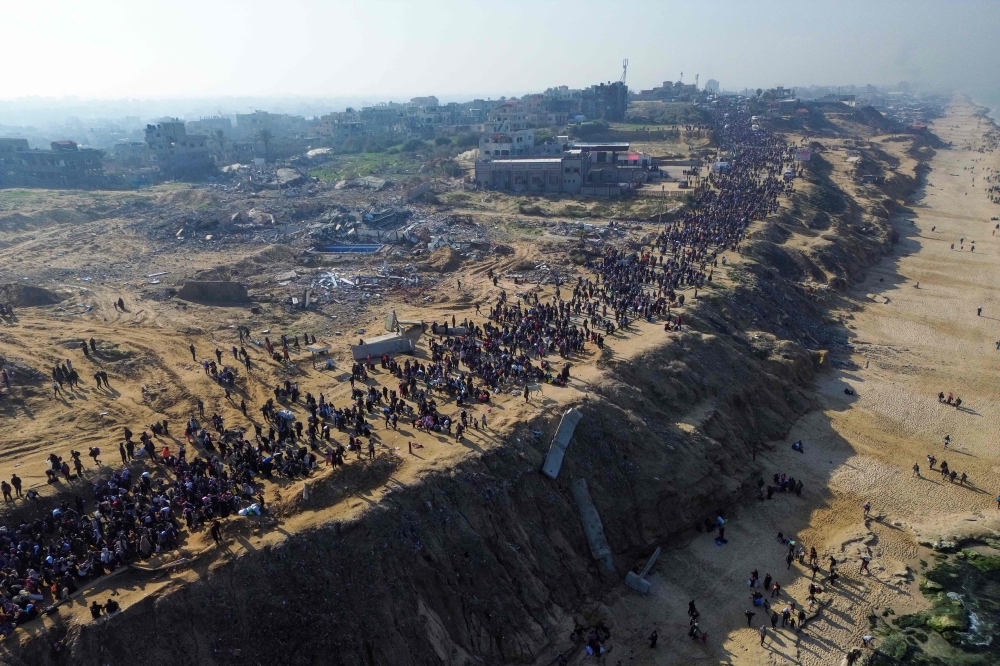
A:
783	483
766	594
950	400
131	515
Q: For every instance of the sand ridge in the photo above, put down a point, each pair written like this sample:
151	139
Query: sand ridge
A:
860	448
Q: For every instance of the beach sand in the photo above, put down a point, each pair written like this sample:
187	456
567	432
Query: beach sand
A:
861	448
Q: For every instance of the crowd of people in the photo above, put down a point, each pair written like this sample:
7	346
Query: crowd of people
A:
131	515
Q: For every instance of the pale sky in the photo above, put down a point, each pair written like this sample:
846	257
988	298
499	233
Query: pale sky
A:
113	49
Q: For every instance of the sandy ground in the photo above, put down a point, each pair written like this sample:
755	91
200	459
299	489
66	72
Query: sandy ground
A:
857	448
861	448
153	377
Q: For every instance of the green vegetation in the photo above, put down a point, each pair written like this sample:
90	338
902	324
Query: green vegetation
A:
466	141
365	164
413	145
959	627
666	113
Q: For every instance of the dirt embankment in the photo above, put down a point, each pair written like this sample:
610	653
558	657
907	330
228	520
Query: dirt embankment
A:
485	564
20	295
491	560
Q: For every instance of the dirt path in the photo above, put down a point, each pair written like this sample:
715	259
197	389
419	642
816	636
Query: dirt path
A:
860	448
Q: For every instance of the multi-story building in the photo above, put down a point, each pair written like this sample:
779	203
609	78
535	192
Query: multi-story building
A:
429	101
280	125
341	125
384	117
510	117
607	101
64	165
209	126
171	148
131	153
588	169
507	144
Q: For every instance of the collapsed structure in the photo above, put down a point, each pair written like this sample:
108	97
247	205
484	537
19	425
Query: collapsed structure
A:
64	165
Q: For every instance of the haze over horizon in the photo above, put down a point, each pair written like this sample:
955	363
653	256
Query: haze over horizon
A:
384	49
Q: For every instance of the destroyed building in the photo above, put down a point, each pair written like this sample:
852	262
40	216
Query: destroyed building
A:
281	125
64	165
172	149
131	153
607	101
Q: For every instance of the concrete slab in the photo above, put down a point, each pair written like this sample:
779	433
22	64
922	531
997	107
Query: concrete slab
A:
637	583
557	449
392	343
449	330
592	526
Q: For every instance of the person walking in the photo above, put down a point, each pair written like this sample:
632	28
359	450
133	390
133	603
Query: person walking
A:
749	613
652	639
763	634
193	356
916	470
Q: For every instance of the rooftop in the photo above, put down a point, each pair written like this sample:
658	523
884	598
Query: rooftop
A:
620	146
530	160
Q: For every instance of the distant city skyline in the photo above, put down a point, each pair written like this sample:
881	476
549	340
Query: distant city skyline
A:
386	49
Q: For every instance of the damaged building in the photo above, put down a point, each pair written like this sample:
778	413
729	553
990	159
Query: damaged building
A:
172	149
64	165
587	169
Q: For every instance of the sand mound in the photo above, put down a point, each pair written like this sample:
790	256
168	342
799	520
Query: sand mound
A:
188	197
444	260
26	296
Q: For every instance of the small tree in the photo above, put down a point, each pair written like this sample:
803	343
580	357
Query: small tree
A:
265	136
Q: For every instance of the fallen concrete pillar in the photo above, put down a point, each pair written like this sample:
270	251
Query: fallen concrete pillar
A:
592	526
649	565
557	449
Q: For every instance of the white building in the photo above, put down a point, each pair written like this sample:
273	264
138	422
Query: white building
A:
506	144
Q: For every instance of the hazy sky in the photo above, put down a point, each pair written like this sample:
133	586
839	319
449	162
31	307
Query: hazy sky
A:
386	48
